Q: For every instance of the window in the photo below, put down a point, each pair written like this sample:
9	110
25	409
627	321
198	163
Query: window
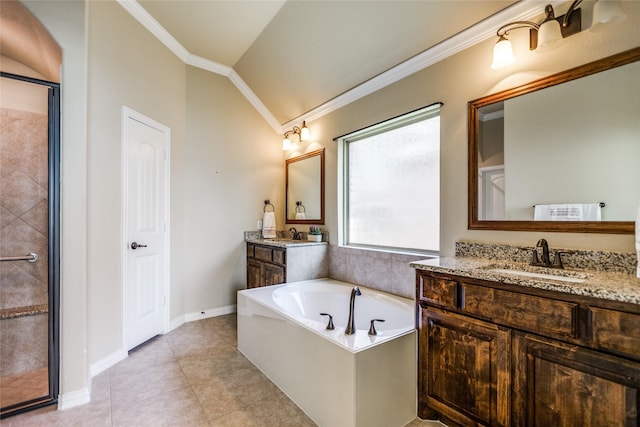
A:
390	190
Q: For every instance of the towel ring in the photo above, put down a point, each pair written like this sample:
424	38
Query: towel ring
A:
268	203
300	207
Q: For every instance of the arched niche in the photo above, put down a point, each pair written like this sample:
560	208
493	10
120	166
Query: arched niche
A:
24	40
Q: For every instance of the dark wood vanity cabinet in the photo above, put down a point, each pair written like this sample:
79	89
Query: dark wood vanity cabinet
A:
266	265
464	369
492	354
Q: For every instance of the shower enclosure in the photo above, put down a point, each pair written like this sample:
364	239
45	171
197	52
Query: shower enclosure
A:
29	243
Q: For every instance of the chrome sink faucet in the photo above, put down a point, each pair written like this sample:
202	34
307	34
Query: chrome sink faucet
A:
351	328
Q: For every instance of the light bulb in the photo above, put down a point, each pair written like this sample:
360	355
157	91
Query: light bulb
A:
502	53
606	12
304	132
549	36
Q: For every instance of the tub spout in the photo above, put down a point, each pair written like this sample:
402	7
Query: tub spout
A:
351	328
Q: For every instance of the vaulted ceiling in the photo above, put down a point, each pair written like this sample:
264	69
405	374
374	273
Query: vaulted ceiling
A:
294	56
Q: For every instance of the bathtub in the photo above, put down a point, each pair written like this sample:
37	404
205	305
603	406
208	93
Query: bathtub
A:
338	380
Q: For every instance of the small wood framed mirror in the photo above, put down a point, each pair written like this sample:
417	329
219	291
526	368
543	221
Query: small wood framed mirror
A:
304	188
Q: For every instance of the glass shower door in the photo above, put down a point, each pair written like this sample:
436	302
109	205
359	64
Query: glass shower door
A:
28	283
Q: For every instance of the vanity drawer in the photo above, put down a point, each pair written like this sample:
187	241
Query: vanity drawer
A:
527	312
278	256
263	253
268	254
440	292
616	330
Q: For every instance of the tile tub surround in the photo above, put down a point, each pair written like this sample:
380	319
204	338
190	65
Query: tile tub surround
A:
614	262
384	271
606	285
380	270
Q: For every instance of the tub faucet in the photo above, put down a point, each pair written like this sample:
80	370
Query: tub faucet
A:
351	327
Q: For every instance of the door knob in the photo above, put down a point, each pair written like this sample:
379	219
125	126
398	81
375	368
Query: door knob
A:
136	245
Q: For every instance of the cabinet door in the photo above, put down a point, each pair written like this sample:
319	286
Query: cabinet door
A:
464	369
254	274
561	385
273	274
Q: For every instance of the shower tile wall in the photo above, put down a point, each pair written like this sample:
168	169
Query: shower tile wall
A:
23	229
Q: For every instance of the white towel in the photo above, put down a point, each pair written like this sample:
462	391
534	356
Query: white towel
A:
568	212
638	241
300	215
269	225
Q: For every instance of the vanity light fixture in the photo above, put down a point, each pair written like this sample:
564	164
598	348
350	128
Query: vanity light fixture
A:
303	135
542	37
606	12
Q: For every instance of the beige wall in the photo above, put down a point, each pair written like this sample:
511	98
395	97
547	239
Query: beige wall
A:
234	162
455	81
126	67
66	22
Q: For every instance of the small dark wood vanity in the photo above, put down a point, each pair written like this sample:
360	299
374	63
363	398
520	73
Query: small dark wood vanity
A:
271	262
266	265
497	354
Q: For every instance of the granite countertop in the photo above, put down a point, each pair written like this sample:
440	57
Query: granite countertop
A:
284	243
613	286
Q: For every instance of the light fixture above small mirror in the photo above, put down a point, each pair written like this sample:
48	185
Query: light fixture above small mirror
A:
303	135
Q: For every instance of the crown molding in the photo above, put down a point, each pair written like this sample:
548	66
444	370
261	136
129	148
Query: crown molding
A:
479	32
523	10
255	101
208	65
154	27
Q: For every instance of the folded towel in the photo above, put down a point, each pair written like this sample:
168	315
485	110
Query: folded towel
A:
568	212
269	225
300	215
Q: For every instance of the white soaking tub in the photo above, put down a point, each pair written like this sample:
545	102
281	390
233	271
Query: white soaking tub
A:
338	380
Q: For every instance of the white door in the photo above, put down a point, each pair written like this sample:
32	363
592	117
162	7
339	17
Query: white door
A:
146	235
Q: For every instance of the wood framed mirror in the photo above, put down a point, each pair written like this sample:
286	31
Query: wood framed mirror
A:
572	138
304	188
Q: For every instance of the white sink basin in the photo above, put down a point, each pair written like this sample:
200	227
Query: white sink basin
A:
542	273
539	275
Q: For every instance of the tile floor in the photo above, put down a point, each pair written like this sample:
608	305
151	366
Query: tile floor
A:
193	376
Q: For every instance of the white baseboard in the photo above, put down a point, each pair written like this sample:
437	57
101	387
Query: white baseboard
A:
107	362
212	312
73	399
175	323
